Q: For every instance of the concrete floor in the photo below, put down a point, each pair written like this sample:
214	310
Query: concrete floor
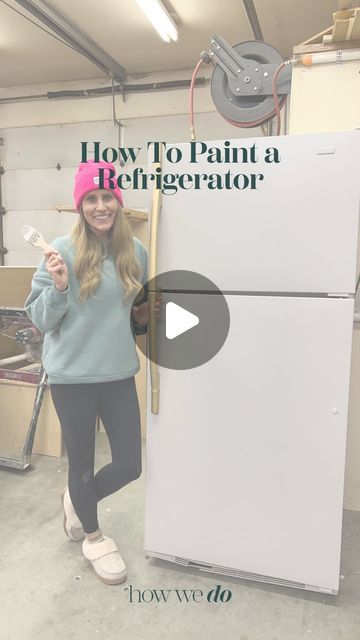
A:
48	591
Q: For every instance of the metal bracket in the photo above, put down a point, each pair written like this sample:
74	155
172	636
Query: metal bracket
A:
338	59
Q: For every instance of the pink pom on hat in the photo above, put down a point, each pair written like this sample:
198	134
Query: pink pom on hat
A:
87	179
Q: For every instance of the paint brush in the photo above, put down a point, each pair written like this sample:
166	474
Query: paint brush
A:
34	237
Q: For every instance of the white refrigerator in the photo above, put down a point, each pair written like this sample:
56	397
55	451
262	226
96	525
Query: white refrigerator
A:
245	458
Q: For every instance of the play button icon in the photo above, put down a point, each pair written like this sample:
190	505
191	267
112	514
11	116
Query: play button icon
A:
193	323
178	320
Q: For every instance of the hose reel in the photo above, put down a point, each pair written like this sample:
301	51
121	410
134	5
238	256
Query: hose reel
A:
242	82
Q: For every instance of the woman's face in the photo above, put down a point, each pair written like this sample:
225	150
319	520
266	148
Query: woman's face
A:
100	208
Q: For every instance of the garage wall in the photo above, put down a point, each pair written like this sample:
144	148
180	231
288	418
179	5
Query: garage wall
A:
42	149
325	97
41	111
40	159
41	135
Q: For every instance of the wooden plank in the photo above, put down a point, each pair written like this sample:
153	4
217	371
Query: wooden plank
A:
317	38
346	27
20	375
340	30
16	400
355	33
332	46
15	285
343	14
132	214
64	208
136	216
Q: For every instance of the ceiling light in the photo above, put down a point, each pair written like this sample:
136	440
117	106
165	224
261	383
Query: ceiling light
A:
159	18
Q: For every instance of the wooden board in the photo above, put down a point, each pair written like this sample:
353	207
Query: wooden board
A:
17	398
317	39
346	28
331	46
355	33
132	214
15	285
16	401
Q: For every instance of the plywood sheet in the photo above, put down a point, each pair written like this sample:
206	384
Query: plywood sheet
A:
15	284
16	401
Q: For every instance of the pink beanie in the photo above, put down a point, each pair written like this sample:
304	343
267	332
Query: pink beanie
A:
87	179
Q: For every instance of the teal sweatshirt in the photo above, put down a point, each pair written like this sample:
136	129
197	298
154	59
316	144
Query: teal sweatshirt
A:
90	341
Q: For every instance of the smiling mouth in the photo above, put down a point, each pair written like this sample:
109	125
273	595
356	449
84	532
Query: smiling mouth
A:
102	217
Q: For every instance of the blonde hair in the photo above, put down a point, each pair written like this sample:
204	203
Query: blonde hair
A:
90	252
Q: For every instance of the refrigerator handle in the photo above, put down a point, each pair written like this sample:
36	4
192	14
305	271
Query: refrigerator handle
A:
154	369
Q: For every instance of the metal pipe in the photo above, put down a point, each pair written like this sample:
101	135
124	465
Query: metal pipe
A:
328	57
30	436
58	23
253	19
13	359
101	91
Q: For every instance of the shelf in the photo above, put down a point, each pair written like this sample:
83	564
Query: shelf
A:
132	214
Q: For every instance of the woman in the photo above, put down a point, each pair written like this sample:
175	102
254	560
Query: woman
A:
82	301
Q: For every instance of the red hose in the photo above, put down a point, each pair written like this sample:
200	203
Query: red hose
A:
191	112
244	125
275	96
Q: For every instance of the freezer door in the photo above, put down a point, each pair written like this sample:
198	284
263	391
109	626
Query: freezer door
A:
296	232
245	461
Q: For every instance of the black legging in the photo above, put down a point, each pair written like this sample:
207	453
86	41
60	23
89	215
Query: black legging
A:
77	406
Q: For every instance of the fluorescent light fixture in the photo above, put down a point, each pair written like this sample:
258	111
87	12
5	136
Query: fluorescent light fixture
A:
159	18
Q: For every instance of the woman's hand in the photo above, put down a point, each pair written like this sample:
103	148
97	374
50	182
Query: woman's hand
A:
57	268
141	312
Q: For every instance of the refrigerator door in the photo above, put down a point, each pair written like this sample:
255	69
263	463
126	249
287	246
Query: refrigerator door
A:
296	232
245	461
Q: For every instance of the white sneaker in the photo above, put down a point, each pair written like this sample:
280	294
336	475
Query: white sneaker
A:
106	560
72	525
